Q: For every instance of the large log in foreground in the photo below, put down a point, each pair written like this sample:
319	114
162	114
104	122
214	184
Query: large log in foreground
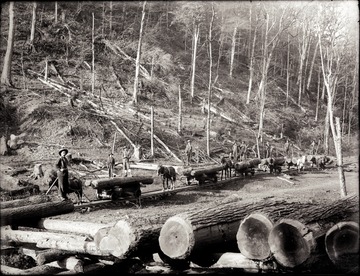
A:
342	245
132	237
215	228
291	242
122	182
252	236
16	215
35	199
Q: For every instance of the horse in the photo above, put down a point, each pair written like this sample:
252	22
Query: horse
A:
227	166
167	173
75	184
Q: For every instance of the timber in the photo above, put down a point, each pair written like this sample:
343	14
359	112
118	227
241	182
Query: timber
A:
215	228
342	245
69	226
202	170
35	199
252	236
136	237
120	182
238	260
22	236
85	247
100	234
35	211
37	270
50	255
291	242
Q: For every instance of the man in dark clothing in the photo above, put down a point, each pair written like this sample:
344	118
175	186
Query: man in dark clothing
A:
63	174
111	164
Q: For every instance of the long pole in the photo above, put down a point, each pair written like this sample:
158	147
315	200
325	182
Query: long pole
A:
113	146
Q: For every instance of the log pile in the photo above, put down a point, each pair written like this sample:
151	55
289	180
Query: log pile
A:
255	237
286	233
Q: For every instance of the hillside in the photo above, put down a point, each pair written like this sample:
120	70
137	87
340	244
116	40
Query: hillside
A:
44	113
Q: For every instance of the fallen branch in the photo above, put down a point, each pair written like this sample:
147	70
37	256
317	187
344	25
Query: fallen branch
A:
284	179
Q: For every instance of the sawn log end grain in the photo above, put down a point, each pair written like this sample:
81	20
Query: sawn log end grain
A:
176	238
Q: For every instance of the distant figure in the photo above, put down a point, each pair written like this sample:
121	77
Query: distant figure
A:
188	151
253	150
267	150
286	147
243	148
63	174
312	147
126	161
111	164
235	152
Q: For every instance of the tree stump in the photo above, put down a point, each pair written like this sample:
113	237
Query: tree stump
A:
3	146
38	171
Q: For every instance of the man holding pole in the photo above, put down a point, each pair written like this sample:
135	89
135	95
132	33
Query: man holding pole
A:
63	174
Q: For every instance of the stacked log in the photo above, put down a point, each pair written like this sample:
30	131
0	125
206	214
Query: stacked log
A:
188	235
18	215
36	199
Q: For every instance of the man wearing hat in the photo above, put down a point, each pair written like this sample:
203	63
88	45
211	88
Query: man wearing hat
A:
235	152
63	174
126	161
111	164
188	151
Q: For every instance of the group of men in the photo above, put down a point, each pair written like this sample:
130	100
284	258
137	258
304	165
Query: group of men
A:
239	152
126	155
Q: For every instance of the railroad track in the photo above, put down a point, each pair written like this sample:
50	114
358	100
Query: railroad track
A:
149	196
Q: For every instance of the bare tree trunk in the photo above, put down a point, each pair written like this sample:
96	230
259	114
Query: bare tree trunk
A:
344	108
56	12
326	131
339	156
138	56
210	83
110	19
93	56
317	97
180	111
233	44
193	63
303	47
6	72
103	20
152	131
251	67
287	71
33	23
312	66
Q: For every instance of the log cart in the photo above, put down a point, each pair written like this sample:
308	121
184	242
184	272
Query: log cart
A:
202	175
119	187
247	167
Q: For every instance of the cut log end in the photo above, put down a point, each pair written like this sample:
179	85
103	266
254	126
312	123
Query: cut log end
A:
124	237
342	245
290	242
176	238
252	236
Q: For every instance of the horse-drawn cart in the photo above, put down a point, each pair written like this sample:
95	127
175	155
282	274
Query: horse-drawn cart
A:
202	175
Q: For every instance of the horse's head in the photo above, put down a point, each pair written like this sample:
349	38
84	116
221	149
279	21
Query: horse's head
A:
160	170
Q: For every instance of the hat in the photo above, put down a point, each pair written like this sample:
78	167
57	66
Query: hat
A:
110	153
63	150
188	140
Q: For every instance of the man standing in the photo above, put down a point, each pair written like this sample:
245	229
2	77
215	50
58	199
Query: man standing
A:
63	174
126	159
235	151
243	148
267	148
111	164
286	147
312	146
188	151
